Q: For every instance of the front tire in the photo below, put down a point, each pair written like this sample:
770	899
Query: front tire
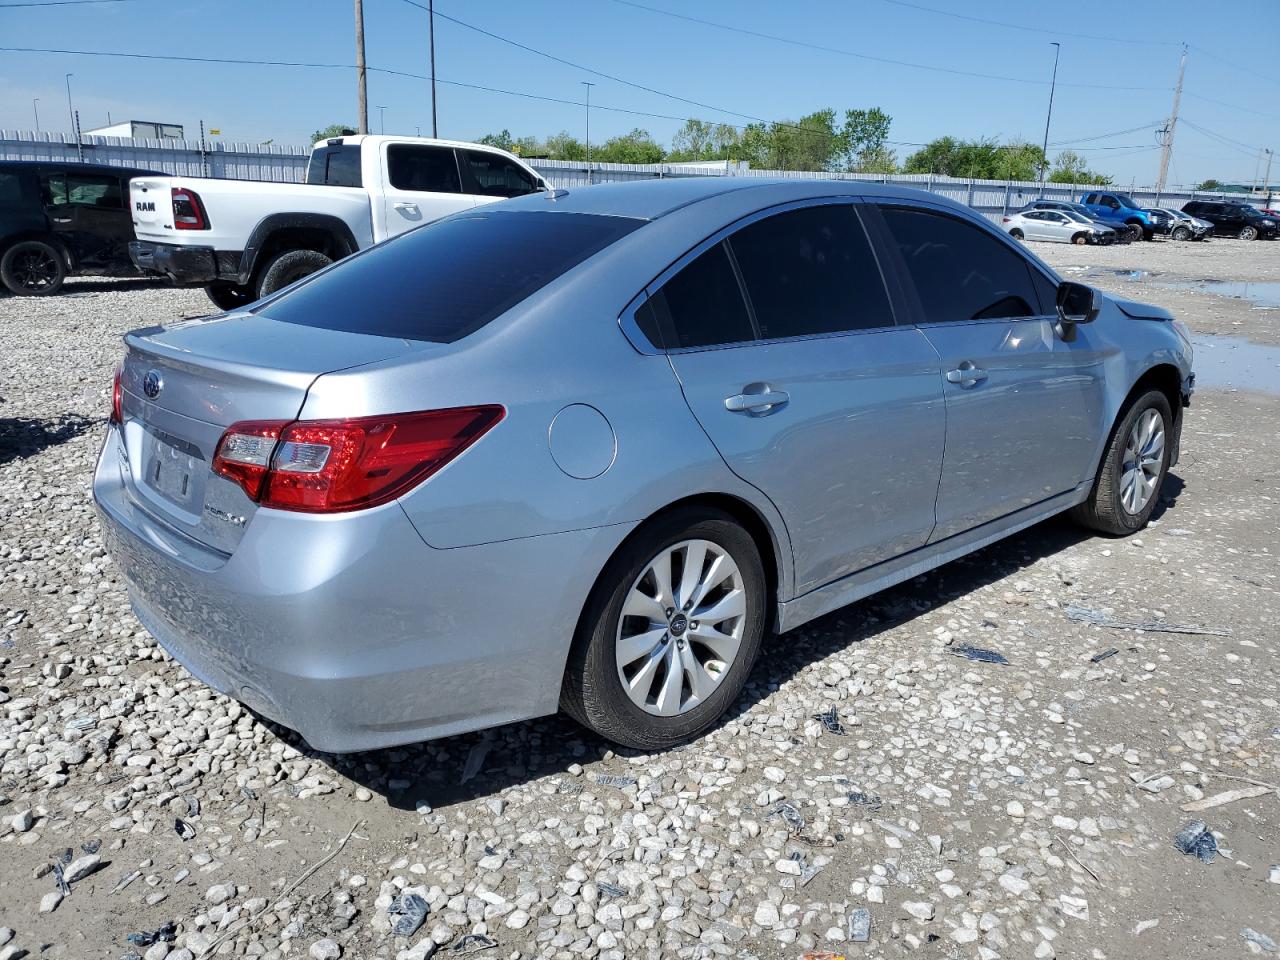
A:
33	268
670	632
1133	469
1248	233
230	296
1080	239
1136	232
1181	233
1016	234
289	267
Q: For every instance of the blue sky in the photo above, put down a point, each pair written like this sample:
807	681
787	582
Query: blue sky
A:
1231	96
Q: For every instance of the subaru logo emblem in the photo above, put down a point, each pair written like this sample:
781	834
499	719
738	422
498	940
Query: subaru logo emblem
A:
152	384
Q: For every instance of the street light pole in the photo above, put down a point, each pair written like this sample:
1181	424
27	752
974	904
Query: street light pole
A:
588	85
35	106
382	118
1053	84
71	114
431	33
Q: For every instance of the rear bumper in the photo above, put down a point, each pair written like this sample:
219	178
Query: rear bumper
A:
185	265
349	628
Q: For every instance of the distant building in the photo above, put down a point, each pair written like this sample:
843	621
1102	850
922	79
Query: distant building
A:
140	130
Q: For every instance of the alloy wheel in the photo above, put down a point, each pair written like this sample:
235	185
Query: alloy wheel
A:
1249	233
1143	459
681	627
35	270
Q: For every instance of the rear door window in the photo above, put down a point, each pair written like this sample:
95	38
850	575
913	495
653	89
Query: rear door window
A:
494	175
103	192
960	272
811	271
10	190
701	306
423	169
448	279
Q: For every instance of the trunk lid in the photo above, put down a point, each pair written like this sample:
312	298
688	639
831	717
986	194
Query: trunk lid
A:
184	384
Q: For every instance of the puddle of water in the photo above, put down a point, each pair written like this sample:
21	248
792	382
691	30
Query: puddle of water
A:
1236	364
1264	294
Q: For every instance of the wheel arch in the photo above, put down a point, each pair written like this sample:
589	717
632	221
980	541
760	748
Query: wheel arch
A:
321	232
43	236
1164	377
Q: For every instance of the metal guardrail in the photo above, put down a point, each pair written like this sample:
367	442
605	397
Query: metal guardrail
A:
287	164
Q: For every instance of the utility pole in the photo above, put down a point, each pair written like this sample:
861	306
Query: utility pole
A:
71	114
362	94
1266	179
35	106
1172	125
431	33
1053	84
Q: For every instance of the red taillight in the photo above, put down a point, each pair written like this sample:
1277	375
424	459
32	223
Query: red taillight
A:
117	398
188	211
328	466
1005	219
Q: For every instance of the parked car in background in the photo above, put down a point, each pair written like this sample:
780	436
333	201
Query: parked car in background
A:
1118	209
1063	226
244	239
62	219
1234	219
1187	227
589	449
1161	222
1121	235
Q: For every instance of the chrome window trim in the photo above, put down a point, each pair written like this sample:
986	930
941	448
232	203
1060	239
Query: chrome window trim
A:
627	319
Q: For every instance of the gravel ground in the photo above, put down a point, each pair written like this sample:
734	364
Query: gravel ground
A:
966	809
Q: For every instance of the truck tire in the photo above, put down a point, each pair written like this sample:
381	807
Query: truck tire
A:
229	296
33	268
288	267
1136	232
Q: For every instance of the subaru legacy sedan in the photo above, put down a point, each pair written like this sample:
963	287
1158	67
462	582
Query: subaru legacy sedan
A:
589	450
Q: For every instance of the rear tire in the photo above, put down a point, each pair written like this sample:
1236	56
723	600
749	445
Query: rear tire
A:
1248	233
230	296
1133	469
33	268
593	692
289	267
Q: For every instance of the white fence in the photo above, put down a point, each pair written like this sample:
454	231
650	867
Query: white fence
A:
288	164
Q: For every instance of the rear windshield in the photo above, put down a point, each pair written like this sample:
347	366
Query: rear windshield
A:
336	166
446	280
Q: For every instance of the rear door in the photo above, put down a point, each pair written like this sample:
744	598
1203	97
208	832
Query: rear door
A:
1024	407
783	338
421	183
88	210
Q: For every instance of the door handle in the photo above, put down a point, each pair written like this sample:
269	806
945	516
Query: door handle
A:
756	402
406	206
61	219
967	374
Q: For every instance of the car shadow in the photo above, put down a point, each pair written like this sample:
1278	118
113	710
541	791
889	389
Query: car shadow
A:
74	286
22	437
544	749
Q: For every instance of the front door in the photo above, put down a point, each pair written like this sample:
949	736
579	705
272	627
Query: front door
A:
807	387
1024	407
422	184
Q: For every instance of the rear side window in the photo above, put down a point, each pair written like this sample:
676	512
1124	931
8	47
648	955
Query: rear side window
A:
91	191
10	191
448	279
960	272
496	176
337	166
811	271
423	169
701	306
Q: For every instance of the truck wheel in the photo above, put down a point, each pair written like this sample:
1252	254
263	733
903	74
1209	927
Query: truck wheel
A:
33	268
288	267
230	296
1136	231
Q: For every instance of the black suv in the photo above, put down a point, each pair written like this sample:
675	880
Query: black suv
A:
63	218
1234	219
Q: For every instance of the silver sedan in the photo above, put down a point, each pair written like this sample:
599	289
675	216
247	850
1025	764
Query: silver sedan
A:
591	449
1062	226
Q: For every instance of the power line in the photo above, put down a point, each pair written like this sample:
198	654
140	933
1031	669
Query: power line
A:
1233	63
1232	106
1017	26
1103	136
1236	145
56	3
866	56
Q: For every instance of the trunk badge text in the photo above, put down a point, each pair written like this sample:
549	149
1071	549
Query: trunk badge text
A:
152	384
224	515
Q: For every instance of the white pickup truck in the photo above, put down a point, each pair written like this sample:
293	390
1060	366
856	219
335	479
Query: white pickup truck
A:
244	239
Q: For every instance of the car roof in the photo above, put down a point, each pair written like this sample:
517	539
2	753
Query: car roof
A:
75	165
652	199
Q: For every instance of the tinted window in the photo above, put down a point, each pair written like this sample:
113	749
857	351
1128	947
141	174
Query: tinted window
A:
1046	291
702	305
448	279
1091	198
960	271
103	191
337	166
811	271
424	169
10	190
496	176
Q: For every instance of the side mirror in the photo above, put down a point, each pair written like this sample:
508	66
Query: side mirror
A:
1077	303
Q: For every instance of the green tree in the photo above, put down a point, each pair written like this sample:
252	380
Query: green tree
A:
1209	184
861	142
979	159
502	141
1070	167
810	143
638	146
331	131
703	140
564	146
